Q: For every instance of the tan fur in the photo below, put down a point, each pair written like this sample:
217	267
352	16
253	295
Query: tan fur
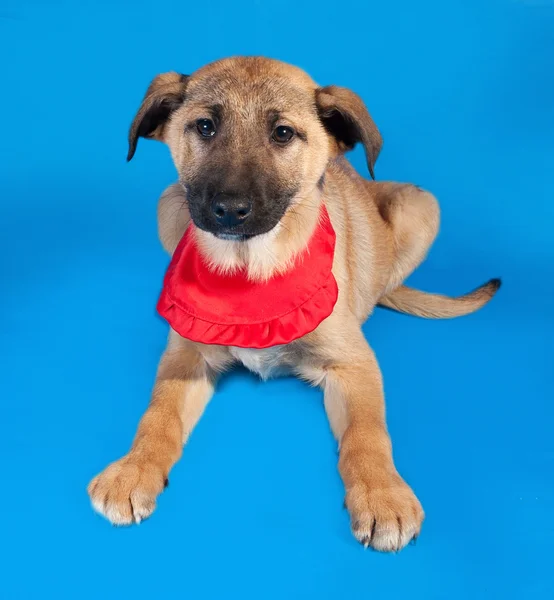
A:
384	231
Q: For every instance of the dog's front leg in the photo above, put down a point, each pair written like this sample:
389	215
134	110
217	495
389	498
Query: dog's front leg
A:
126	491
384	511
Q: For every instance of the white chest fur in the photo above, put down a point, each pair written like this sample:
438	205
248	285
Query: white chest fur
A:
266	362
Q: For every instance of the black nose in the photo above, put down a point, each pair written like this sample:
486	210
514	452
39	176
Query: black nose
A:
230	210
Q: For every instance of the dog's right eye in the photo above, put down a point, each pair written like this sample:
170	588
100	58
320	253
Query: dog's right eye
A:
205	127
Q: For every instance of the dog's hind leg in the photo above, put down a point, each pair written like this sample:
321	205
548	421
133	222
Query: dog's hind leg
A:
412	217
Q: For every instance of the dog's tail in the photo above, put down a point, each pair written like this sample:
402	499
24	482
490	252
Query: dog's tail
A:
436	306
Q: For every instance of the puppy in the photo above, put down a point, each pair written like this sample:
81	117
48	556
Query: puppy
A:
264	139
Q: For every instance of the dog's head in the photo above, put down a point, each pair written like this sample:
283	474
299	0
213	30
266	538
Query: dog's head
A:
251	138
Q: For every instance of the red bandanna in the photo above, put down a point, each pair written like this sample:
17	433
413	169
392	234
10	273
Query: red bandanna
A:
204	305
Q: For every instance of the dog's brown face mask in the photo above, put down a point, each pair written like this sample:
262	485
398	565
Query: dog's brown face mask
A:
250	137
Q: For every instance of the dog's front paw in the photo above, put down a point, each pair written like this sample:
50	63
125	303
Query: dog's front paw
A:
386	517
125	492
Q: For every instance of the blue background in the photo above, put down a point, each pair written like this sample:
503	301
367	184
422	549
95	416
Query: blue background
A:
464	95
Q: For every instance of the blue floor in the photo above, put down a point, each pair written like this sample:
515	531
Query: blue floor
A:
464	95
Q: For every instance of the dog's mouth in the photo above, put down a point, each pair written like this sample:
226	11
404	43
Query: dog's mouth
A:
234	237
234	234
261	222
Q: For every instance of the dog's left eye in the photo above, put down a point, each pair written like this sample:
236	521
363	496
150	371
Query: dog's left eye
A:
283	134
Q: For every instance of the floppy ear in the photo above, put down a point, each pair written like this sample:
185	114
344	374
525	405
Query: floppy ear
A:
164	95
346	118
